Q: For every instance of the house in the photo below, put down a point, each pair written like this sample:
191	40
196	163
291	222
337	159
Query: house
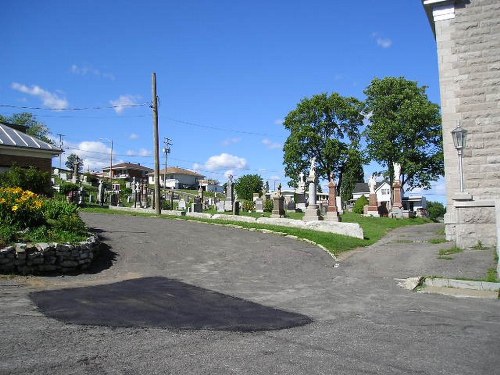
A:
468	45
211	185
177	178
127	171
382	189
23	150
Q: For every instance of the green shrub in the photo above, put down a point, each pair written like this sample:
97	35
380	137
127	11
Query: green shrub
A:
436	210
268	205
248	205
57	209
359	205
30	179
20	208
66	187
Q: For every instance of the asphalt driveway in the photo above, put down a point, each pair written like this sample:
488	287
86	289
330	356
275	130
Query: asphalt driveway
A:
182	297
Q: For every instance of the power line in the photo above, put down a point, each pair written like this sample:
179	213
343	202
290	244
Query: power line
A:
75	108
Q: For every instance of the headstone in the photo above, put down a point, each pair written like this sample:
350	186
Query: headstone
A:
290	205
220	206
332	211
182	205
197	206
259	205
100	193
278	206
236	208
372	205
312	211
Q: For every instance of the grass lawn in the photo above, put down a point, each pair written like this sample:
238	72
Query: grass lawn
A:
373	228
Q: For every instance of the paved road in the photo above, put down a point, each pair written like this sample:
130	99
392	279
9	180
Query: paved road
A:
176	297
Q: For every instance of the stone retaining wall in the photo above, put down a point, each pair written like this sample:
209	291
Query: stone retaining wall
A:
23	258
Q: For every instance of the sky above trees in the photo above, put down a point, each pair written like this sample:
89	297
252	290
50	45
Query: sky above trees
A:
228	73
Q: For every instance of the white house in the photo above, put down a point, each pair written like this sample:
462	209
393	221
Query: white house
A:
382	189
177	178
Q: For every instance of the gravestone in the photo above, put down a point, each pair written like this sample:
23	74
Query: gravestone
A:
197	206
220	206
332	211
312	211
259	205
372	205
278	204
182	205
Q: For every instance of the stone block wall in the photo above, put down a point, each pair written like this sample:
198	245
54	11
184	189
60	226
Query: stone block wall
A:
469	65
48	257
468	44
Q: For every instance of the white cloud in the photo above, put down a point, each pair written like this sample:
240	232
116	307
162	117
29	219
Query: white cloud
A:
83	70
133	136
231	141
141	152
222	161
271	145
49	100
381	41
123	102
95	155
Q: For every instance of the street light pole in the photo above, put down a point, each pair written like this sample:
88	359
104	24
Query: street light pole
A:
459	140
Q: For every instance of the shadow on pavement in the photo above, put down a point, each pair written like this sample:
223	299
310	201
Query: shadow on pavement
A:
159	302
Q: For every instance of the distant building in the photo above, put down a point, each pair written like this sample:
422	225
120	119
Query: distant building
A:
23	150
177	178
127	171
382	189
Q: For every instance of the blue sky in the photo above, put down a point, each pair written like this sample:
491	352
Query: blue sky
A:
228	72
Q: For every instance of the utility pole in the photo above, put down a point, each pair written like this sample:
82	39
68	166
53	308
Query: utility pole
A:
60	146
157	148
167	142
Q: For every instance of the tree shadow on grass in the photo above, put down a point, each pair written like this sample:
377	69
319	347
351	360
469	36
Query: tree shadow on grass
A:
158	302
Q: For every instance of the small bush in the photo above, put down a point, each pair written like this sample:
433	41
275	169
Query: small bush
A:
67	187
30	179
359	205
20	208
248	205
268	205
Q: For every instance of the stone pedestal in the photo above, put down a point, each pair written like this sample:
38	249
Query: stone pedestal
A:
300	200
332	213
396	197
373	206
312	213
278	207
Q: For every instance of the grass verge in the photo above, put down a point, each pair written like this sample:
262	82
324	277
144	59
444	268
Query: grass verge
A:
373	228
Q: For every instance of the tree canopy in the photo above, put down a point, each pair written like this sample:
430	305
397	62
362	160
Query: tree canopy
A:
248	184
35	128
404	127
72	160
326	127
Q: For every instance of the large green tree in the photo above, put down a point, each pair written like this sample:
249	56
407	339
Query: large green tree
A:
404	127
35	128
248	184
353	173
326	127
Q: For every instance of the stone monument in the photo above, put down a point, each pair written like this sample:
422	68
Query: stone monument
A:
229	202
397	203
300	194
332	211
372	205
278	204
312	211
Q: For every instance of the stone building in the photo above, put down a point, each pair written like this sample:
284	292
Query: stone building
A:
468	46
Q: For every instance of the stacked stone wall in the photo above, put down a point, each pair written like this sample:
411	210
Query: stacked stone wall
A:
469	64
39	258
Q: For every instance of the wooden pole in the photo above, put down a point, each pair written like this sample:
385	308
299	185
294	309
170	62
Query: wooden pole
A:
157	149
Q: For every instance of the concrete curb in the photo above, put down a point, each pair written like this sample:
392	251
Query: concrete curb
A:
461	284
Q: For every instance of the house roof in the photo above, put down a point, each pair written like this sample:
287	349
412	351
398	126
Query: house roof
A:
177	170
11	137
362	187
134	166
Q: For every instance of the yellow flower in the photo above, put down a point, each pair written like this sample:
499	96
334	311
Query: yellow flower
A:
15	207
2	200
